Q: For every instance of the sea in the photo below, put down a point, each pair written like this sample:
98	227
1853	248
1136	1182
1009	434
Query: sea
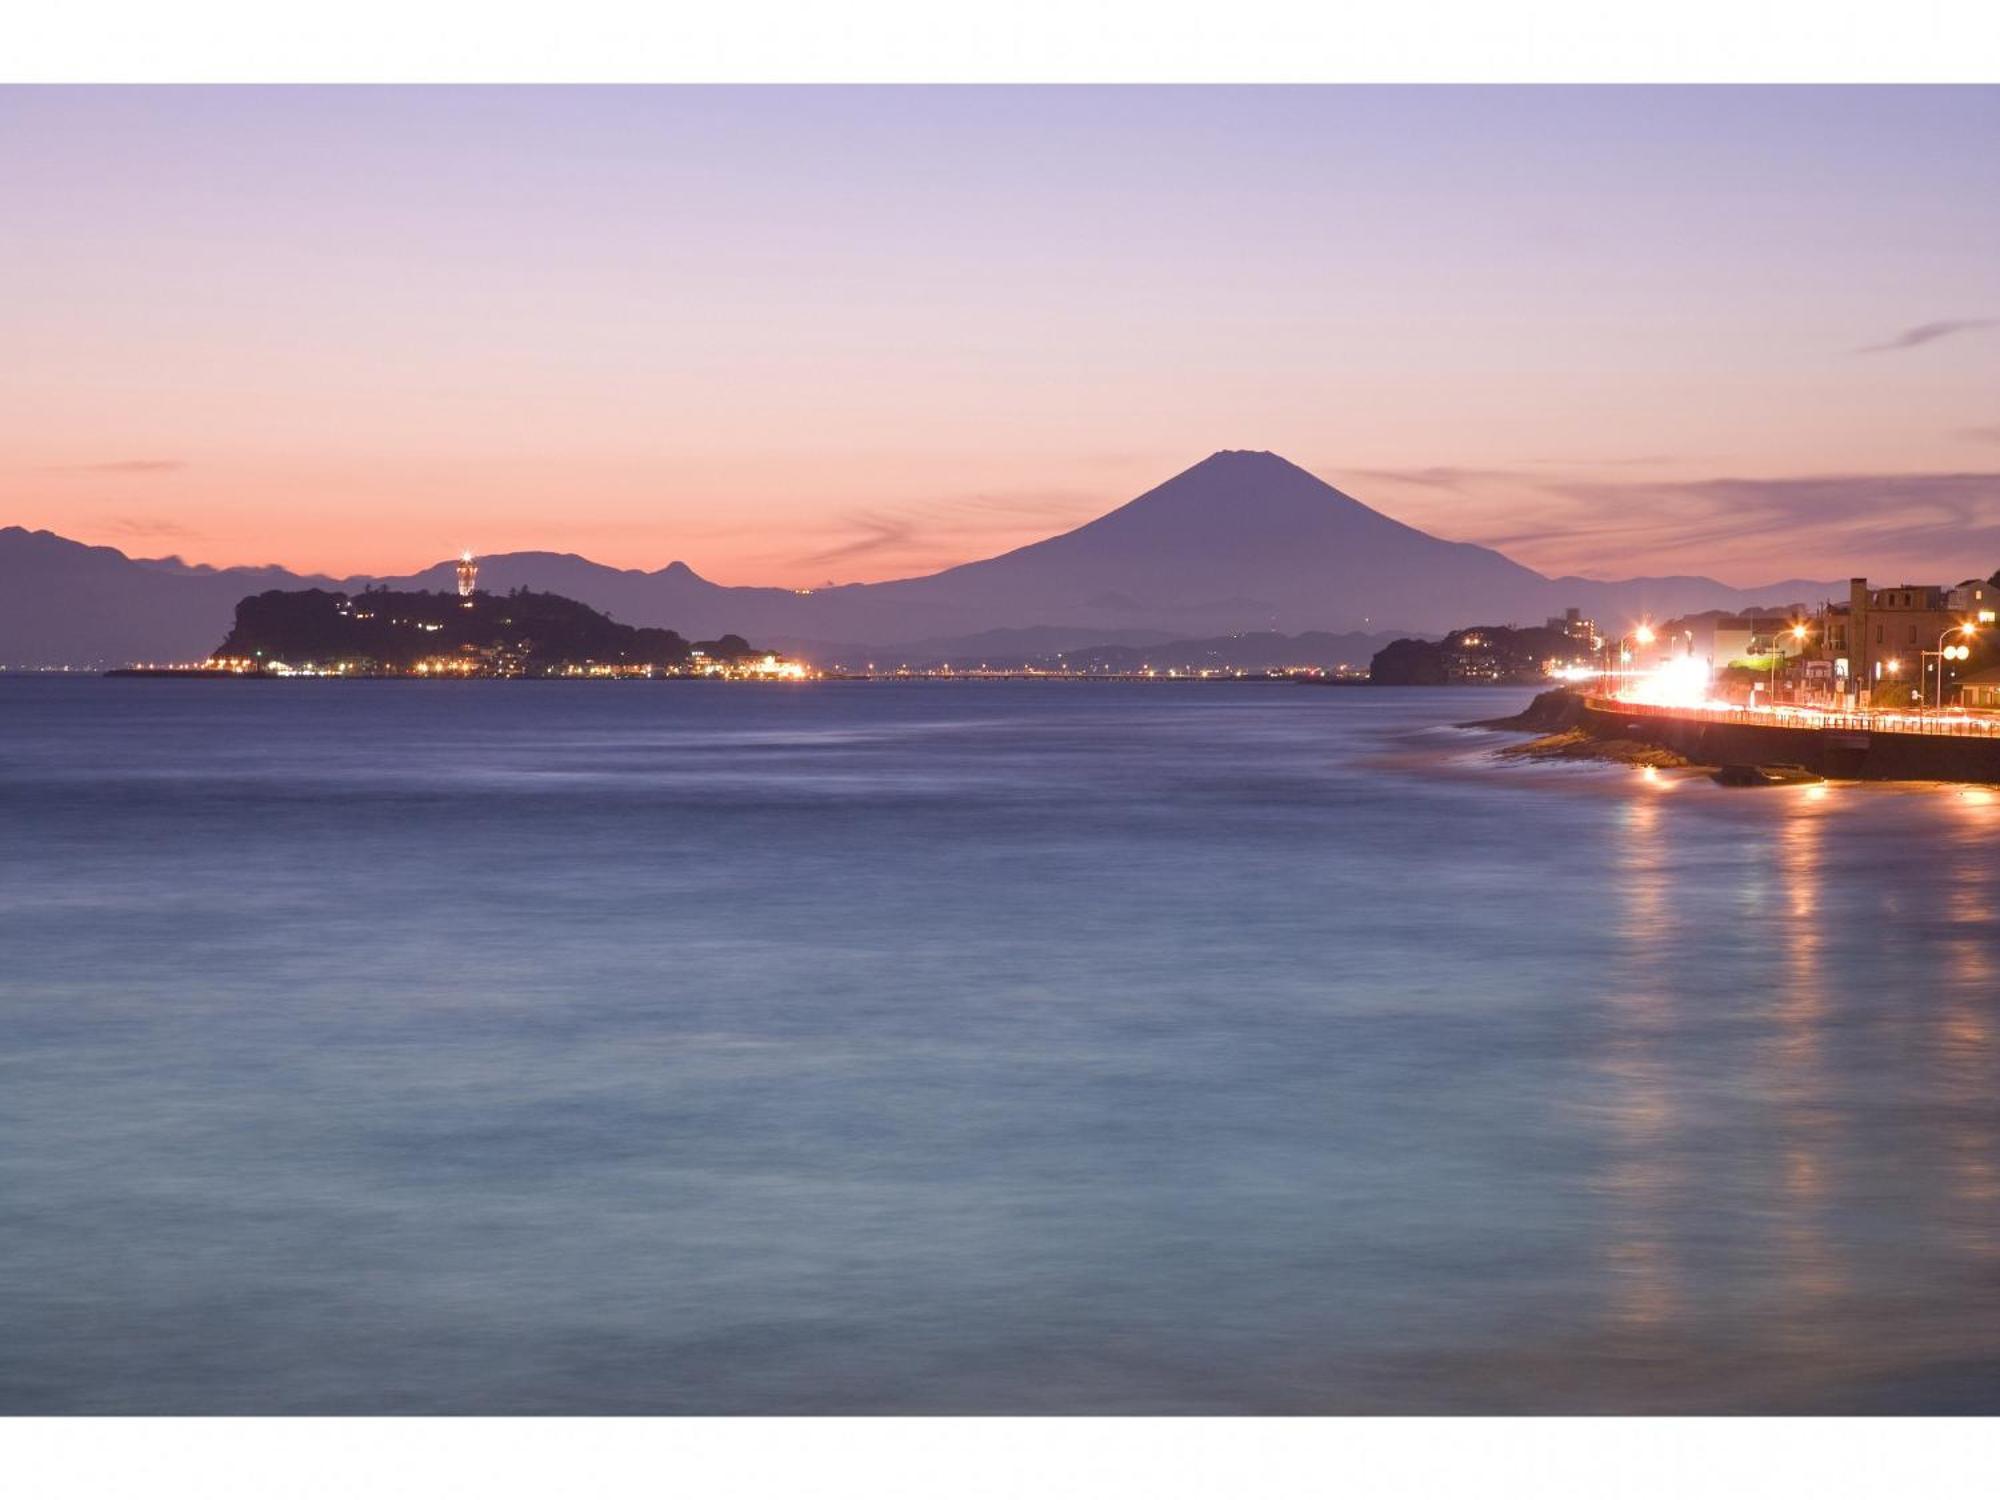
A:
972	1047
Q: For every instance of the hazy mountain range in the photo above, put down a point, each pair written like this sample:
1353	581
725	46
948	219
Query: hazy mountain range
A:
1241	542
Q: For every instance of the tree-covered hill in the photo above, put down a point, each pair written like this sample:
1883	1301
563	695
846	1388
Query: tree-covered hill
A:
386	630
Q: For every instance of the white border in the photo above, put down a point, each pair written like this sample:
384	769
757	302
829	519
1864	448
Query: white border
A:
1058	41
1044	41
968	1459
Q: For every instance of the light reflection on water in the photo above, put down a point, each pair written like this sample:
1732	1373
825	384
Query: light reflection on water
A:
1644	1175
1965	1024
1808	1132
695	1047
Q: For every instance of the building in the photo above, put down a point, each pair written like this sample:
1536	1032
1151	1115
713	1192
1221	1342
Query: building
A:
1981	689
1572	624
1977	600
1728	639
468	575
1884	641
1719	640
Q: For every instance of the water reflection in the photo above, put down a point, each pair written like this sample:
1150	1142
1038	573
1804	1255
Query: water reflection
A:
1962	1027
1098	1062
1642	1179
1809	1270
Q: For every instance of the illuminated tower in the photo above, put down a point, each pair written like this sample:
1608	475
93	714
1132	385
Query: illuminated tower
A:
468	574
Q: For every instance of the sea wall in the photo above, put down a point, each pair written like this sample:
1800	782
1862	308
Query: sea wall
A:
1861	755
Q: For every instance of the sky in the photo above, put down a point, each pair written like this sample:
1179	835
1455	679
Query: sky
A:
800	335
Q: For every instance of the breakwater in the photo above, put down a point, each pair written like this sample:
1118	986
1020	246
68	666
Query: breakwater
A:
1861	748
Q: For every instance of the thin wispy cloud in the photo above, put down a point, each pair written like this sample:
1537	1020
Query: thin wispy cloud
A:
1744	530
1437	476
1644	461
959	529
880	534
1928	333
148	526
1924	523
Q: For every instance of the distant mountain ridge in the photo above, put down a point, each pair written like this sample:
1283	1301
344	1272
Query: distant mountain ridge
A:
1241	542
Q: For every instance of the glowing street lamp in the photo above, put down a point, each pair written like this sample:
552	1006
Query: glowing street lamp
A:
1892	669
1799	631
1949	653
1946	653
1643	634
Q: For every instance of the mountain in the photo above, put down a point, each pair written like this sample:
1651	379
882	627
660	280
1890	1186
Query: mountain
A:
65	604
1243	541
1249	541
1240	541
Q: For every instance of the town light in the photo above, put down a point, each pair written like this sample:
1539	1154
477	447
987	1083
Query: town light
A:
1643	635
1680	683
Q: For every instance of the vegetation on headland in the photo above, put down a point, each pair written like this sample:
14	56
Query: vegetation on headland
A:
523	633
1479	653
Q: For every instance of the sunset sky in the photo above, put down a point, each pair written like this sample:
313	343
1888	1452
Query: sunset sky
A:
799	335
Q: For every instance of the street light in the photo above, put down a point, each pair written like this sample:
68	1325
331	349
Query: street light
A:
1946	653
1798	634
1643	634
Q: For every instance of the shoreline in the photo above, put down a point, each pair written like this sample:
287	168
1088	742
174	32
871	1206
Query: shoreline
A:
1161	678
1569	726
1557	719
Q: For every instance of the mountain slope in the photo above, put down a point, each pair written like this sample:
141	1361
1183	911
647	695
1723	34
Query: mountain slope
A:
1240	541
66	604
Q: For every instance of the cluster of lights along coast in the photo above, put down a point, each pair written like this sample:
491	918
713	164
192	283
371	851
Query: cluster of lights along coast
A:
1887	656
1898	683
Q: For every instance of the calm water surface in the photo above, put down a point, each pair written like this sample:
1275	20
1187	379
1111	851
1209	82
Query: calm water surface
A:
517	1047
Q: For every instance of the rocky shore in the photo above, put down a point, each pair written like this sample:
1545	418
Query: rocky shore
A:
1556	718
1575	744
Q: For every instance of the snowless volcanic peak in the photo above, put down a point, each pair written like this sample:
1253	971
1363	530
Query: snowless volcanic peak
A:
1242	539
1251	496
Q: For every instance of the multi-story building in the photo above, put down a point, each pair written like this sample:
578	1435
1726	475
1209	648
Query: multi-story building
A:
1976	599
1884	641
1572	624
